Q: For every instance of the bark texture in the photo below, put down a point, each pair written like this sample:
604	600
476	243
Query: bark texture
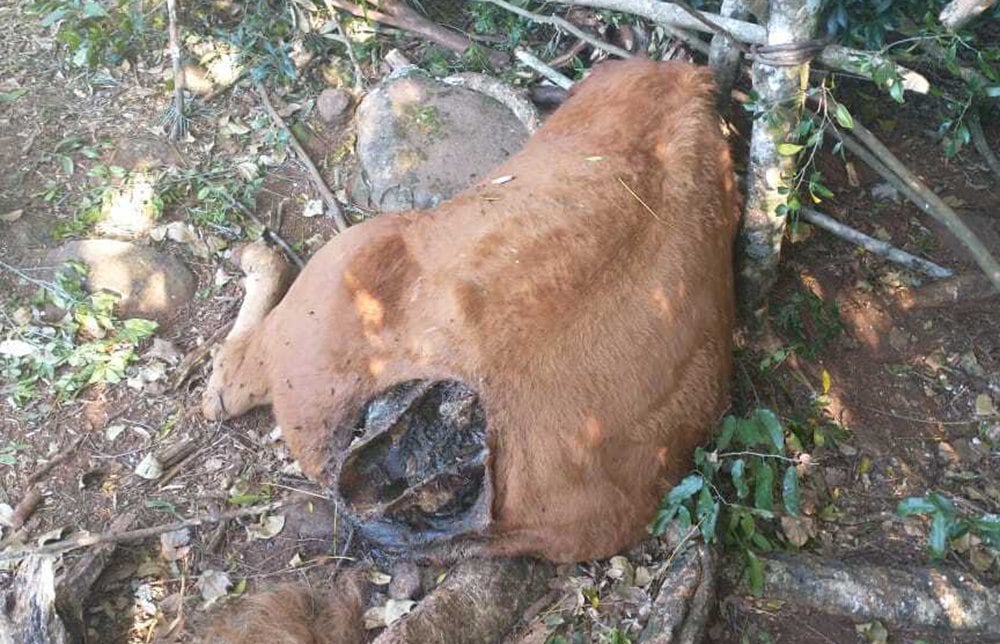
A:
781	90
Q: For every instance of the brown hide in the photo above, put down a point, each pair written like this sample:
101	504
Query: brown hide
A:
587	300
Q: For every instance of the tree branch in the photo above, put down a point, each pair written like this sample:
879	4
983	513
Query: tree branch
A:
876	246
333	208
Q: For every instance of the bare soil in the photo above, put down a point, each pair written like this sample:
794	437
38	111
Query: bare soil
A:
904	384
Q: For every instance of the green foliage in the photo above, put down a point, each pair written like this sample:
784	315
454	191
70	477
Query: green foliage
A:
98	32
748	477
808	323
947	523
88	345
489	19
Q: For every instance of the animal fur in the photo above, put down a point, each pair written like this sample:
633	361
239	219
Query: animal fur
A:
588	299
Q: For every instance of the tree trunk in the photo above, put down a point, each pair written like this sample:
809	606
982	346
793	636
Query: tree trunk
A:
781	90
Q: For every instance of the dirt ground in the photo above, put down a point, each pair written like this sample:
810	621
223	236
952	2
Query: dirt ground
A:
904	383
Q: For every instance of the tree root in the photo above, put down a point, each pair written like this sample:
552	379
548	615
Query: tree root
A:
925	598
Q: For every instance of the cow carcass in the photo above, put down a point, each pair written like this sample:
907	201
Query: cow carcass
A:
526	368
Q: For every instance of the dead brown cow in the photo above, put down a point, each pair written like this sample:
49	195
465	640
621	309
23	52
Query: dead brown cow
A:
526	368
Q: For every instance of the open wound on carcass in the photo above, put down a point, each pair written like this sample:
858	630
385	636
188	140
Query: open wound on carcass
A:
416	472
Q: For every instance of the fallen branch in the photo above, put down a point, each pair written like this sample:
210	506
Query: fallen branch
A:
981	144
119	536
930	203
397	14
876	246
565	25
924	598
974	287
959	13
537	64
198	355
333	208
833	56
73	586
56	461
269	234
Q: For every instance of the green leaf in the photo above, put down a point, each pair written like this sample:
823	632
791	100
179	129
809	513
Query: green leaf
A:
915	505
11	96
728	429
790	491
755	573
763	494
789	149
687	488
662	520
938	539
769	421
93	9
54	17
707	512
843	117
737	471
992	91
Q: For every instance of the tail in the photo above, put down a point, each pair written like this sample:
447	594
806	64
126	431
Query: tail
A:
295	614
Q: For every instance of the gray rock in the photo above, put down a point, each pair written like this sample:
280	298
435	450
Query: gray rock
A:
334	106
151	284
420	141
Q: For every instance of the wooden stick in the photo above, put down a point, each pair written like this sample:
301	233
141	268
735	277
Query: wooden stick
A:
981	144
833	56
269	233
173	35
876	246
542	68
565	25
113	536
197	355
397	14
931	204
333	208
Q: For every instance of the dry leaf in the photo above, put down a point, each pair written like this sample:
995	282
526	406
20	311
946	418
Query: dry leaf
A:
379	578
984	405
501	180
267	528
174	545
313	208
164	350
798	530
111	432
13	215
213	585
16	348
149	468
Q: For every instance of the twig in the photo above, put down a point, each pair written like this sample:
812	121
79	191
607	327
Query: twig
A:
931	204
876	246
26	507
565	25
269	233
981	144
542	68
114	536
56	460
198	354
178	124
567	56
397	14
333	208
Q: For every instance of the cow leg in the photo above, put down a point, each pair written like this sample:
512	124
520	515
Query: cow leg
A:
238	383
